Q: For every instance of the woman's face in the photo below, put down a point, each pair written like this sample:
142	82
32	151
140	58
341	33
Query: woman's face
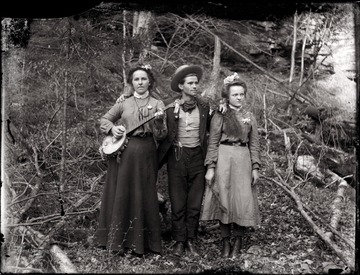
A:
236	96
140	81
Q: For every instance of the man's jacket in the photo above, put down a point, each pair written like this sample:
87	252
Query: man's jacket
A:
172	124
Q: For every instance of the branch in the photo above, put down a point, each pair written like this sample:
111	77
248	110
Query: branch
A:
336	206
234	50
317	230
58	255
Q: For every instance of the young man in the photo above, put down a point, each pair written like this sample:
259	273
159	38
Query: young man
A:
184	150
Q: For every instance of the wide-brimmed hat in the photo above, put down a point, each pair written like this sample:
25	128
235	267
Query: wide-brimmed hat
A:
182	72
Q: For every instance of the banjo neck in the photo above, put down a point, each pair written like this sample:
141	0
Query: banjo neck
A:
142	122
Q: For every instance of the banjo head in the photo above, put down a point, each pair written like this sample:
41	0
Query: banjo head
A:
111	145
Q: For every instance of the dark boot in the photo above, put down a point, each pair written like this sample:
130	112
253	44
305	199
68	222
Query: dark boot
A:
179	248
237	246
225	252
192	248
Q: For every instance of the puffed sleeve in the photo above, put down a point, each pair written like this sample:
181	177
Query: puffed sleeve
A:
107	121
214	139
159	127
254	145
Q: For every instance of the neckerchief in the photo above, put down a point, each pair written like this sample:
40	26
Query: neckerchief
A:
188	106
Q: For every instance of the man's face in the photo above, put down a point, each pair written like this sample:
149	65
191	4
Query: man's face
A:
190	86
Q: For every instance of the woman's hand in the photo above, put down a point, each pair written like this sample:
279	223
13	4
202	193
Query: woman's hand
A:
255	176
209	176
118	131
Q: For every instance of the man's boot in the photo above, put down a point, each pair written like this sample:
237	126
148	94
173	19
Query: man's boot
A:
225	252
237	246
179	248
192	248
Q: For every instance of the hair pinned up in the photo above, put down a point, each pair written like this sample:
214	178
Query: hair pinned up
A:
146	68
232	80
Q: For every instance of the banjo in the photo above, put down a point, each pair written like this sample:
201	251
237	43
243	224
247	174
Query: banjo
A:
112	146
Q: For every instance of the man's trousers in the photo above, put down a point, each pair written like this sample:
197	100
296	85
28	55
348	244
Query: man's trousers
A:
186	177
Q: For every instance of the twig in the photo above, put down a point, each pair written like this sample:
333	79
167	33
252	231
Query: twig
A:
26	268
51	119
276	93
21	247
275	125
52	141
336	180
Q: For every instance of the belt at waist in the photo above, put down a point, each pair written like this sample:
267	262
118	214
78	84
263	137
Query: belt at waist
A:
234	143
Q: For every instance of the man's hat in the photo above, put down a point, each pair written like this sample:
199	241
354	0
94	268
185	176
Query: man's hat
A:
182	72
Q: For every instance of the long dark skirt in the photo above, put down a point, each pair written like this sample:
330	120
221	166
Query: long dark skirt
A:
129	215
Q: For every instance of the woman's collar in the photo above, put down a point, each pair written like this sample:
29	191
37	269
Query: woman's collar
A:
235	108
144	95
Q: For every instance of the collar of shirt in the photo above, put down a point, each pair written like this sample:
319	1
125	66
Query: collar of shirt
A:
234	108
145	95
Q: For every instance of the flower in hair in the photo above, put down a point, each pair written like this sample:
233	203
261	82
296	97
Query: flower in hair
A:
231	78
146	67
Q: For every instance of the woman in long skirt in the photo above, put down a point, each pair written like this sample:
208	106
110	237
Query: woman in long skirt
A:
129	215
232	162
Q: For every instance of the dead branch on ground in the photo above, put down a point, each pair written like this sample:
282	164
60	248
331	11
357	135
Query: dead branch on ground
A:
347	261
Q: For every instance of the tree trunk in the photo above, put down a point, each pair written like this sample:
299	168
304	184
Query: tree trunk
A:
302	57
213	89
141	30
124	48
293	50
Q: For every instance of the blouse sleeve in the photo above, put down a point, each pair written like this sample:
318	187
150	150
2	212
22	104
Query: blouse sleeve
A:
159	128
107	121
214	139
254	145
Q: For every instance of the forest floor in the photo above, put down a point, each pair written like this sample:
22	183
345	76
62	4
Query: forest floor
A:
284	243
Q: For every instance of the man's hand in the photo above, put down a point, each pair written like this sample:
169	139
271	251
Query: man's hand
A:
159	115
121	99
118	131
222	106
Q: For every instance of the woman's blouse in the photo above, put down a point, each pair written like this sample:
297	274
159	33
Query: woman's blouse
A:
133	110
248	134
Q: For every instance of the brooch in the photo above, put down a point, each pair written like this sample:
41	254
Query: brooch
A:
149	107
246	120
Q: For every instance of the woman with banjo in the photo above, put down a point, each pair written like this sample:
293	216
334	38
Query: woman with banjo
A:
129	215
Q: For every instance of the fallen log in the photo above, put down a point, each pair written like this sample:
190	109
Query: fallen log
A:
337	203
62	260
344	258
306	166
58	255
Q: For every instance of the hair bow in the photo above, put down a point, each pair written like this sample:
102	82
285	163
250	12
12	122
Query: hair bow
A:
231	78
